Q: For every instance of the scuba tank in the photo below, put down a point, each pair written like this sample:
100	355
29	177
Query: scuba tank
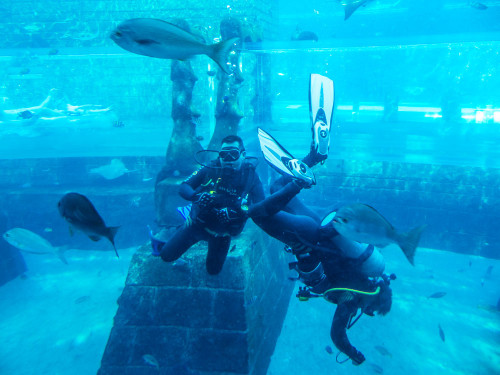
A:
372	263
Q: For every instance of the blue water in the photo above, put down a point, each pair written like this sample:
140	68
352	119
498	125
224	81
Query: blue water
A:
415	82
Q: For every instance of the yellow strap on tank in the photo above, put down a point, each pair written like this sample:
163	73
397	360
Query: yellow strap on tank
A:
377	291
209	181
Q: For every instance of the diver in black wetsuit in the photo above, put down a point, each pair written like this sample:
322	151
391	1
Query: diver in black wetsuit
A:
221	193
345	272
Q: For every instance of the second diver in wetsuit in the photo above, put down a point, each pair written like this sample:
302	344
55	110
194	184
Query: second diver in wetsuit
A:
220	193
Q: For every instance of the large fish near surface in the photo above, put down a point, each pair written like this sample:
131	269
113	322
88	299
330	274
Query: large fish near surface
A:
362	223
30	242
156	38
81	214
350	6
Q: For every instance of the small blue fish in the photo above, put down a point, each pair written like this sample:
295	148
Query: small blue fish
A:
376	368
382	350
441	333
437	295
329	349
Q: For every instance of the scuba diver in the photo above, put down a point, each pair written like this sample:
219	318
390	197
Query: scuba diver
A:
344	272
220	193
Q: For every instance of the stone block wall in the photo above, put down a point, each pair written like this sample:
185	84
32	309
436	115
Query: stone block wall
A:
461	205
194	323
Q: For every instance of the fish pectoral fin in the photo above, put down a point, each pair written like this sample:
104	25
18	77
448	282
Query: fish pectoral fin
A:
94	237
60	255
80	216
146	42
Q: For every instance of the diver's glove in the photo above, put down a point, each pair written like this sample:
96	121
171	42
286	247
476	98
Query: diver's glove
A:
206	200
226	215
357	358
223	216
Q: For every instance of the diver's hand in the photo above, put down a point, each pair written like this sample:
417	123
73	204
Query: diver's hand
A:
226	215
206	200
357	358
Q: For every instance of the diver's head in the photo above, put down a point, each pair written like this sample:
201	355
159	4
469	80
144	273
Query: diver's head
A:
232	152
382	302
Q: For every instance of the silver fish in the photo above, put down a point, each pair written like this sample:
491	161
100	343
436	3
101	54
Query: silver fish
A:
156	38
362	223
81	214
30	242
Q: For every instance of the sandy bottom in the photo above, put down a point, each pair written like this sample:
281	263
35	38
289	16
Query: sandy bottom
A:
58	319
409	333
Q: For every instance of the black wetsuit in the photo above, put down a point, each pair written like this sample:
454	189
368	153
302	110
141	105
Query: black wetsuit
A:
222	218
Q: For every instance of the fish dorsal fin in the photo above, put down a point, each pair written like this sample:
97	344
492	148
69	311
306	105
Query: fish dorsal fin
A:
198	38
382	216
349	9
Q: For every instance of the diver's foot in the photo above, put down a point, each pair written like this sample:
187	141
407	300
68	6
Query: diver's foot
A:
303	175
156	244
317	158
321	140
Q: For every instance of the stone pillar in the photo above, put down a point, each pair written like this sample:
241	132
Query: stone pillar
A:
174	318
227	112
183	142
263	99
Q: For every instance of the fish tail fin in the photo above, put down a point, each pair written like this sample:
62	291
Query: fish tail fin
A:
111	236
409	242
220	53
60	255
351	8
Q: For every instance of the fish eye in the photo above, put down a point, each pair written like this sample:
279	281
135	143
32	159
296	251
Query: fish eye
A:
117	33
344	220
